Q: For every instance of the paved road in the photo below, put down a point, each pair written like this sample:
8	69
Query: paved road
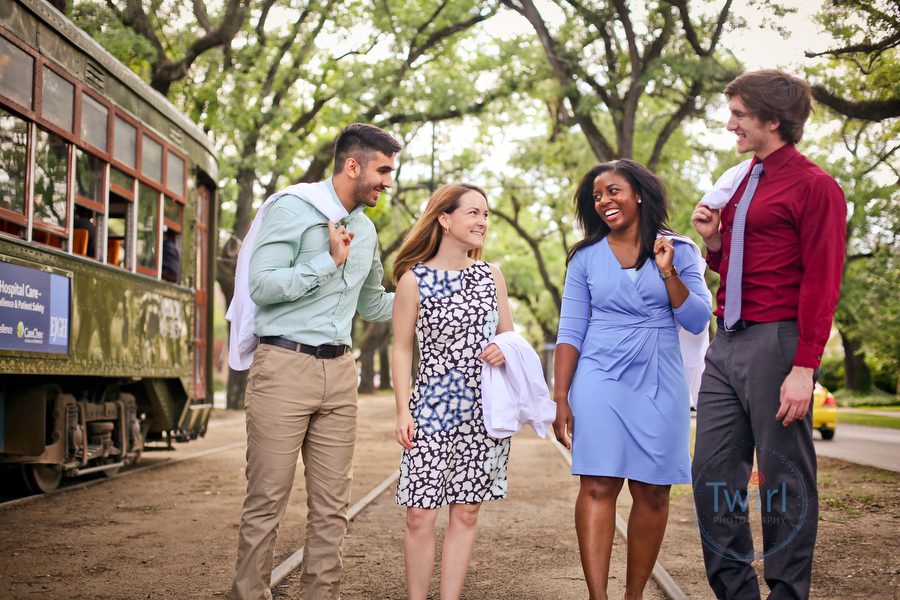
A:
875	446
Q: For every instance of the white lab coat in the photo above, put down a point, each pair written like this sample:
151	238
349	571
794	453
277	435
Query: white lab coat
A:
515	393
242	312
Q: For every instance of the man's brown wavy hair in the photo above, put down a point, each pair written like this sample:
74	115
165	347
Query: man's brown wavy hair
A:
775	95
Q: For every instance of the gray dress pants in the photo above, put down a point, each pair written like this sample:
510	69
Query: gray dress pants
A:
739	397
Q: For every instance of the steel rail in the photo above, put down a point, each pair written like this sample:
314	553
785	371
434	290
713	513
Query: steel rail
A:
293	561
660	575
92	482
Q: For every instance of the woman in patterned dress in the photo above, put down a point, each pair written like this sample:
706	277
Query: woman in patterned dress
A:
454	303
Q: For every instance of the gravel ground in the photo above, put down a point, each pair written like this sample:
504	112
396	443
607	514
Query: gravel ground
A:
171	532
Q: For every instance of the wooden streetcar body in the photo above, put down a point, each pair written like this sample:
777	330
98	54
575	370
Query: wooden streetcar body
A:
107	218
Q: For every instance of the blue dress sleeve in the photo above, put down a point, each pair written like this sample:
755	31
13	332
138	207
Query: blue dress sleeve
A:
695	312
576	304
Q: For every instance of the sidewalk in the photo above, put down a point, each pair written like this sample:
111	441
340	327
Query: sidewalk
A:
866	411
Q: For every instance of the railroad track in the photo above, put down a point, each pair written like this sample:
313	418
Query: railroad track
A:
125	473
662	578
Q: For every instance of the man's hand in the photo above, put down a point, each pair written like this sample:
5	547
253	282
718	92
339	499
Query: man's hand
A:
796	395
564	423
706	221
493	356
339	239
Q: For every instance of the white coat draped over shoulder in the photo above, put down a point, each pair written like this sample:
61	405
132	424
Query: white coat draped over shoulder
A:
515	393
242	341
693	345
726	185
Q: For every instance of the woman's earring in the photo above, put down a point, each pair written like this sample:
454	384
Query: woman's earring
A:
446	230
639	200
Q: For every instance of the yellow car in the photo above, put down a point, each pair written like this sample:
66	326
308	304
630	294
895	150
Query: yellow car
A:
824	412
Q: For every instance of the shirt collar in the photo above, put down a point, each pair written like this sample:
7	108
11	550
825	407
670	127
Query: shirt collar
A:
773	162
356	209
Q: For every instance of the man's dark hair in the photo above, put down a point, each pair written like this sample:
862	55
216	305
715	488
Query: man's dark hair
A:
359	141
770	94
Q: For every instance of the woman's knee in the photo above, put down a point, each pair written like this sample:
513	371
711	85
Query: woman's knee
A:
464	515
601	489
420	520
652	497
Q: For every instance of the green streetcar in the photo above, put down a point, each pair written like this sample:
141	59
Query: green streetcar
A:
107	238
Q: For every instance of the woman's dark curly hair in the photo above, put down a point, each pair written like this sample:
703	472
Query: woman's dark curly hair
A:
653	211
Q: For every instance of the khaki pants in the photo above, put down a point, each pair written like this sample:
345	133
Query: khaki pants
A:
297	403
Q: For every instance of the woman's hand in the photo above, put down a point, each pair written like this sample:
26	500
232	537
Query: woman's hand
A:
564	423
493	356
663	253
405	430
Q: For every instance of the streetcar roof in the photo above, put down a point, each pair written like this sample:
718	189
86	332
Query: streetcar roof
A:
59	23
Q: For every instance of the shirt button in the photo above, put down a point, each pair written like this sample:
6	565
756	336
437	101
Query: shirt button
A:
725	257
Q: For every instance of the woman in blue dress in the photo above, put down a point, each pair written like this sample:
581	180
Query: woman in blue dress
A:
623	405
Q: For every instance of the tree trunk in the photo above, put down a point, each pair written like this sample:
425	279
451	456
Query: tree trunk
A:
384	366
237	385
374	337
857	376
367	371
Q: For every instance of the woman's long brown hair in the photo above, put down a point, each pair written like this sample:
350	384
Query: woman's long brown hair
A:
424	239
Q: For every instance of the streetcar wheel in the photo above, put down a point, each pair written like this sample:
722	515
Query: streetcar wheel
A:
111	472
42	478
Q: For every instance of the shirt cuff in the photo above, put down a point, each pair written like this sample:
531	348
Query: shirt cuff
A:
323	265
714	259
808	356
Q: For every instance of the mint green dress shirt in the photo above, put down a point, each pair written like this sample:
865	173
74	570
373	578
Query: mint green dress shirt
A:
299	293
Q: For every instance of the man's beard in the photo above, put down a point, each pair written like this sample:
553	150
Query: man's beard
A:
362	192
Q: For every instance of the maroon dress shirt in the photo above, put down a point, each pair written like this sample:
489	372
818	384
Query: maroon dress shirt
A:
794	245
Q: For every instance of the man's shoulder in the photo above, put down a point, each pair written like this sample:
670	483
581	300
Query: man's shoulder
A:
806	170
296	205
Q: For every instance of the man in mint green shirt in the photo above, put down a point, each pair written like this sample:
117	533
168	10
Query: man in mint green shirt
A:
307	277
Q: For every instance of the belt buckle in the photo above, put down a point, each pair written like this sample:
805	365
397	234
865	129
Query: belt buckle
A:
319	354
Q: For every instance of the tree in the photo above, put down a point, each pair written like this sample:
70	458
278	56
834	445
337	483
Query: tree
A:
274	94
863	66
607	61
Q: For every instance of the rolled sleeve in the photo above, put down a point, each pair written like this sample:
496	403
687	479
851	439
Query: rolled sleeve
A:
274	275
375	304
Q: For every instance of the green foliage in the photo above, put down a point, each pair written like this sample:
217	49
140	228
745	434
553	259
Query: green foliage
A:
831	372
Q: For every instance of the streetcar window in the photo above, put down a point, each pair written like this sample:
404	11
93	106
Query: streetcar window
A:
51	179
171	255
16	74
58	100
147	227
175	174
84	231
118	221
94	122
13	162
124	142
172	211
89	175
89	181
123	181
151	159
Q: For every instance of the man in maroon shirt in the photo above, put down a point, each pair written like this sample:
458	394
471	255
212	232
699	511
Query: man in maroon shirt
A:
785	246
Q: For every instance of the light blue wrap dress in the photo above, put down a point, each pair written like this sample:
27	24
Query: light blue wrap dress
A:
629	398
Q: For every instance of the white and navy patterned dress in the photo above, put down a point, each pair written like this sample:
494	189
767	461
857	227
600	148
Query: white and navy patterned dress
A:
453	459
